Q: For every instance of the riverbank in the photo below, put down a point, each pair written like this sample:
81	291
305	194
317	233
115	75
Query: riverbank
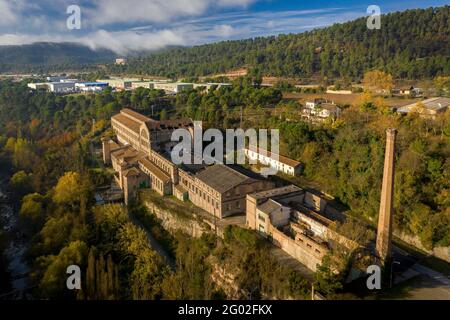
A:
15	243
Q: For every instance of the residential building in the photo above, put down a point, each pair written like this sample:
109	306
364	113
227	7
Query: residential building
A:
320	109
281	163
427	108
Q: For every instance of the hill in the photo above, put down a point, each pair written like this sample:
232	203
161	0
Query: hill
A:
50	56
411	44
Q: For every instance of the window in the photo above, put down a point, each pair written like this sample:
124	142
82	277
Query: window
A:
261	218
261	228
238	204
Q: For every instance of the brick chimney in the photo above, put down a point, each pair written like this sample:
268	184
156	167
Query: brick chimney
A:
384	232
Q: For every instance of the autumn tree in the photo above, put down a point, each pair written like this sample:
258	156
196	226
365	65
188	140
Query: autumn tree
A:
378	81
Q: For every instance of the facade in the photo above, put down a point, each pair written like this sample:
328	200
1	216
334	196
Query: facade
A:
284	164
119	84
295	220
61	87
220	189
38	86
173	87
427	108
91	86
140	159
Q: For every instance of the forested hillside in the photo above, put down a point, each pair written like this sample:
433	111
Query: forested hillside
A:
410	44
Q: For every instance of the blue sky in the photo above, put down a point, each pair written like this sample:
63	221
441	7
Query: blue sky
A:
124	25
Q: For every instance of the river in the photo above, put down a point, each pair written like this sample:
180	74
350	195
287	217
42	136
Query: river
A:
16	246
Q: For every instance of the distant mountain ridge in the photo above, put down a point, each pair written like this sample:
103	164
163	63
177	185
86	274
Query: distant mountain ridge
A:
51	56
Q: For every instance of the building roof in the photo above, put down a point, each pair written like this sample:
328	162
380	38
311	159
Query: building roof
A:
269	206
155	170
276	192
137	116
432	104
282	159
127	122
128	154
221	177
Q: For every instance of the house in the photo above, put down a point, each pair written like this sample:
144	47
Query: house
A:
281	163
427	108
320	109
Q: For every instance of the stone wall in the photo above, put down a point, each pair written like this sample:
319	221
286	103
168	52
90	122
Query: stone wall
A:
173	222
439	252
295	249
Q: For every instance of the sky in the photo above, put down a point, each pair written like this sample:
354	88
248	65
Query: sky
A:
128	25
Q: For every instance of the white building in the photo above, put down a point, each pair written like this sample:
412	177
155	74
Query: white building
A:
55	78
281	163
320	109
173	87
61	87
38	86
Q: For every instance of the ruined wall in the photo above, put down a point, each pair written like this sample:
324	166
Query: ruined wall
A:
439	252
295	249
174	222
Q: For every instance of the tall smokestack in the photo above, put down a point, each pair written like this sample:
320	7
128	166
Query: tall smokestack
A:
384	232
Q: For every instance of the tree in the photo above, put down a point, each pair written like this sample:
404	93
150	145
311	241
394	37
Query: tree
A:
378	81
53	282
69	189
32	210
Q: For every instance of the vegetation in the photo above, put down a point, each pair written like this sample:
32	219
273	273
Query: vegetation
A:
342	50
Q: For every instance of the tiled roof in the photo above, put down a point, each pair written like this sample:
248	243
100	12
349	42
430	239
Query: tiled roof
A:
269	206
127	122
155	170
136	115
221	177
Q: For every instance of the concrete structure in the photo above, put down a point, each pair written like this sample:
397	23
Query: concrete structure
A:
281	163
173	87
90	86
142	84
38	86
384	231
61	87
295	220
210	85
119	84
427	108
220	189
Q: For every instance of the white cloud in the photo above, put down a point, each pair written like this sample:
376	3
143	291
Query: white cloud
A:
7	16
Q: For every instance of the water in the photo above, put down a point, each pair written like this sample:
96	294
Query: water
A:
16	246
